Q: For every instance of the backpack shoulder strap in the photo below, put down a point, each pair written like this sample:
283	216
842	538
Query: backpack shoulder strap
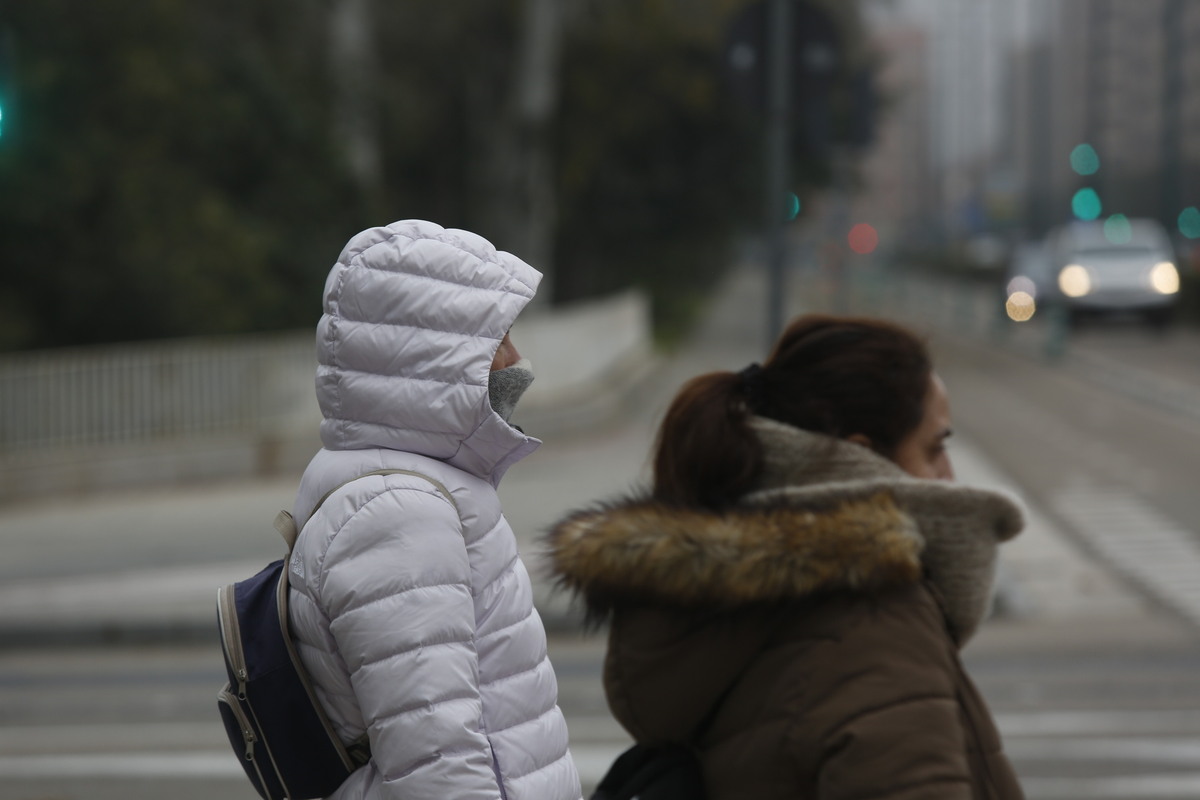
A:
286	525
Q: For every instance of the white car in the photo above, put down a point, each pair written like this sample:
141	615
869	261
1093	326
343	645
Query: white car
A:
1126	267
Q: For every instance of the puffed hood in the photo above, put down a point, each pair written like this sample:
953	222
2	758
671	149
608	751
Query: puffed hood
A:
413	316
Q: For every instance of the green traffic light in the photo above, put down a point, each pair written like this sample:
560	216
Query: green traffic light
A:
1117	229
792	209
1189	222
1084	159
1086	204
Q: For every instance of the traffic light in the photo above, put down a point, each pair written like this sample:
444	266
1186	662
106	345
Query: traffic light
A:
7	74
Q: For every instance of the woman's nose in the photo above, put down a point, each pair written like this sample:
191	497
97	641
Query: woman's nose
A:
506	355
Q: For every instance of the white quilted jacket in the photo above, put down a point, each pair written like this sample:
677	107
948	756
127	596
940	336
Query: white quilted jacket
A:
415	617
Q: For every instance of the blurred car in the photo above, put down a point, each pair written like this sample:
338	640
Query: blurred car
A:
1102	268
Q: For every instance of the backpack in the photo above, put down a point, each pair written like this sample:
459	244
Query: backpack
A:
271	713
643	772
660	772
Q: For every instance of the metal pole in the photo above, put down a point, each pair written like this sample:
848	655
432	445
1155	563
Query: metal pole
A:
1172	111
779	17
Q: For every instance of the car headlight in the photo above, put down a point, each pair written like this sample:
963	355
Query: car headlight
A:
1074	280
1164	278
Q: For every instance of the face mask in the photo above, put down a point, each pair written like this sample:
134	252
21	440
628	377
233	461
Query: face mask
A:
505	387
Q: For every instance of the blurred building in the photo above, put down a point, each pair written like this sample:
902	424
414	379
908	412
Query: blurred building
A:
943	129
1120	77
988	99
901	197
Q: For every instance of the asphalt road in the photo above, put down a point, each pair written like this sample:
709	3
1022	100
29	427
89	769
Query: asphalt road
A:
1097	702
1097	714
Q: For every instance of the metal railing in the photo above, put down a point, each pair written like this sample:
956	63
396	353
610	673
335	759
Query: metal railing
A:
140	393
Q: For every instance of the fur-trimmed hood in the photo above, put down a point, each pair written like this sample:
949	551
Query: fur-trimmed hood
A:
829	516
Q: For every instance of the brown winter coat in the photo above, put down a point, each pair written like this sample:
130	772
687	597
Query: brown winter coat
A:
807	642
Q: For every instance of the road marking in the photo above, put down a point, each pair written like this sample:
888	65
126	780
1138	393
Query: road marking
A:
1126	787
82	737
592	761
1095	723
1150	750
1152	551
122	765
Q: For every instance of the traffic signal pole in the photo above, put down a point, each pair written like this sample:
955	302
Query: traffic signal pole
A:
779	23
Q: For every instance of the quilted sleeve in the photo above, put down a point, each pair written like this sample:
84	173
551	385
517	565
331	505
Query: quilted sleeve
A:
396	588
884	719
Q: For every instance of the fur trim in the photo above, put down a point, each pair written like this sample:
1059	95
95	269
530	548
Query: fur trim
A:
649	551
828	516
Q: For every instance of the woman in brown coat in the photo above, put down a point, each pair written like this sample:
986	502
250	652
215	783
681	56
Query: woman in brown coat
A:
791	599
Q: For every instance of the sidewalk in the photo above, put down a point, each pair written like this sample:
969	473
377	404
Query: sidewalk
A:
145	565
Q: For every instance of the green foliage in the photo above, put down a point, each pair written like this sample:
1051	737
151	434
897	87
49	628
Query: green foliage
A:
442	83
169	172
659	166
656	167
172	168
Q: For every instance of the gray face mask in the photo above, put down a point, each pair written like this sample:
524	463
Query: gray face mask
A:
505	387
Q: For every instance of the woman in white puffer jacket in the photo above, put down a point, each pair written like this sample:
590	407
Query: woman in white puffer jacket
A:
412	610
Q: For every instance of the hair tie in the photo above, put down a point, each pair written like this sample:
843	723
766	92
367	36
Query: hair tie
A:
752	383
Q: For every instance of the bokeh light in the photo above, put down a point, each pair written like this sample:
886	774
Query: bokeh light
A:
1189	222
1023	285
1086	204
791	206
1117	229
863	239
1020	307
1084	159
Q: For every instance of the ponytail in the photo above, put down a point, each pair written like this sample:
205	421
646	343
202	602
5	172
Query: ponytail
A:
837	376
706	455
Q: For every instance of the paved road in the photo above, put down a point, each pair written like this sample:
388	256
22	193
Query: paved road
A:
1082	716
1096	687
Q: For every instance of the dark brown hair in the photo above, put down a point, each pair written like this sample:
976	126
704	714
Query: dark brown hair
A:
834	375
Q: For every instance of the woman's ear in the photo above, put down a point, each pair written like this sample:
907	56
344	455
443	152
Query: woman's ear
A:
859	438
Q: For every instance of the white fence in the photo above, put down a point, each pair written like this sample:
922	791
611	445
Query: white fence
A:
141	393
99	418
